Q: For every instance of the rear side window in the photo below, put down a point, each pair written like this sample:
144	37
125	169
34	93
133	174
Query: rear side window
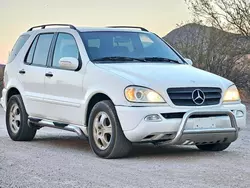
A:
30	54
41	49
17	47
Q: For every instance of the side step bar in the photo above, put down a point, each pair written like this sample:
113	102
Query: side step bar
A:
71	128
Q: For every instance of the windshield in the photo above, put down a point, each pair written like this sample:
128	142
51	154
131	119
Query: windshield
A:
122	46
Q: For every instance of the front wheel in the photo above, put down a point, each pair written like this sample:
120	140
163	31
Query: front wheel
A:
106	137
17	120
214	147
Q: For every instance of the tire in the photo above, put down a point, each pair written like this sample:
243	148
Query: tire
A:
214	147
17	120
111	142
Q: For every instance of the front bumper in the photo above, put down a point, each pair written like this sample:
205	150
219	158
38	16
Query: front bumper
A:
182	130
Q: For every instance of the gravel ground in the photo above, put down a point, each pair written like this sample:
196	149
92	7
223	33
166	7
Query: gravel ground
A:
59	159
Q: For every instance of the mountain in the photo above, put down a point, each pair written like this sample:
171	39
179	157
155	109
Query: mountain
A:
185	31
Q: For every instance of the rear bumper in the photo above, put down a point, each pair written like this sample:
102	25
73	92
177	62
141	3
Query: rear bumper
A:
3	98
180	130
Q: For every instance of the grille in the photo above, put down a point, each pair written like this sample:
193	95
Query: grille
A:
183	96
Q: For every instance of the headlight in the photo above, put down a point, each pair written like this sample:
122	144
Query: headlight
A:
142	95
232	94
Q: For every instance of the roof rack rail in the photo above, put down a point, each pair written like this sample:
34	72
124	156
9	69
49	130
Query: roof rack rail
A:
48	25
132	27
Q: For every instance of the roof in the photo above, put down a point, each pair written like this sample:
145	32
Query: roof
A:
50	27
89	29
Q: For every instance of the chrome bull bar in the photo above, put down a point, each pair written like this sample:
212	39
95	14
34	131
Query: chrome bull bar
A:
187	115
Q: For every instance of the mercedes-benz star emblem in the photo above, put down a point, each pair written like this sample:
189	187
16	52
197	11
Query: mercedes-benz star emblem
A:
198	97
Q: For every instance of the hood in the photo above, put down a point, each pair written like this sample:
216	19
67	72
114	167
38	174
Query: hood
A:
165	75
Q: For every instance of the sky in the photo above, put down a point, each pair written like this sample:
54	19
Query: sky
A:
17	16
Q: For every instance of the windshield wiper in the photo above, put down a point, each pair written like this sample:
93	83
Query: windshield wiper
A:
161	59
119	58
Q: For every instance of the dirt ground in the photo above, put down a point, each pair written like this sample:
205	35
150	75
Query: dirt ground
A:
59	159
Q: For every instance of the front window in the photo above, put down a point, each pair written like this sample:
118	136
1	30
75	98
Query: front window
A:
128	45
65	47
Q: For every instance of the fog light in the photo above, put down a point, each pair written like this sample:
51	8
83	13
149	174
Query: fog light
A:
239	114
153	118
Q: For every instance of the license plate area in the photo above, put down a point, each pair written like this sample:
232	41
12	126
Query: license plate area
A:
204	123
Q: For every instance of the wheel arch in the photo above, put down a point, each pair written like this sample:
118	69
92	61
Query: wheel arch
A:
12	91
97	97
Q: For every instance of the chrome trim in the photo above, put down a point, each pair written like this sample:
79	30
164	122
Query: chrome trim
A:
200	95
63	103
188	114
205	131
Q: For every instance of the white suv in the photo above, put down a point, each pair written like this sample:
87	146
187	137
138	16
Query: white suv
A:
116	86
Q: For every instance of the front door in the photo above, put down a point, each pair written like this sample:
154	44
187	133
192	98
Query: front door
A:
63	88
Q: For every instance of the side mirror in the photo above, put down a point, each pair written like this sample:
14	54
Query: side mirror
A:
69	63
189	61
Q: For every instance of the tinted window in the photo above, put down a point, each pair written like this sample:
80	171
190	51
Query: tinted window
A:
101	44
17	47
94	43
123	41
30	54
42	49
65	47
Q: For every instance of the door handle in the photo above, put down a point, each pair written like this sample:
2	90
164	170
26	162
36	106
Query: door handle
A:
49	74
22	71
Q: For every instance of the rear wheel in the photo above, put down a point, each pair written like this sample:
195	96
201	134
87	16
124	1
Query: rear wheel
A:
106	137
214	147
17	120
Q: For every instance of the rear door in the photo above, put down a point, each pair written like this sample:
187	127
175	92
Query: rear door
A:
32	74
63	88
